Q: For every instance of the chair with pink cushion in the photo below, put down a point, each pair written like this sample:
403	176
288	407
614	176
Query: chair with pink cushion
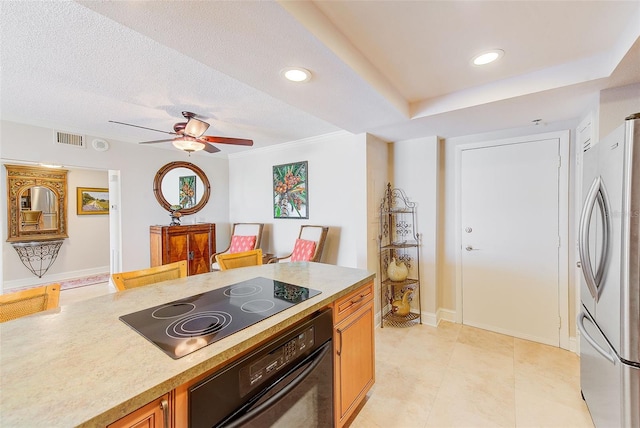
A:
308	247
244	237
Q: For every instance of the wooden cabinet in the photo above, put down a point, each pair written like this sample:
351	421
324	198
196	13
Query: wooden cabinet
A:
152	415
194	243
354	351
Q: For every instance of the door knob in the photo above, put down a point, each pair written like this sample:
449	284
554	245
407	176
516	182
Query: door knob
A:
469	248
468	229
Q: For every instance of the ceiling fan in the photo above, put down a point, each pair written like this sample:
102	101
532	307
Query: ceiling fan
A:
189	135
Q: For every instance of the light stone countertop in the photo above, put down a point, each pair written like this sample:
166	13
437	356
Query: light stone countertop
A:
79	365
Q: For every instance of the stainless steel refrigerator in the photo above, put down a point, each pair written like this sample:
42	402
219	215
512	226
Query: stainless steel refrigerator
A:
609	247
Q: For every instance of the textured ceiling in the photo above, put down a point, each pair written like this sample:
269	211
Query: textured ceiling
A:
395	69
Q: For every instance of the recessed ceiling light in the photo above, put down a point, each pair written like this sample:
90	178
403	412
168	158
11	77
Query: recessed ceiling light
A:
296	74
488	57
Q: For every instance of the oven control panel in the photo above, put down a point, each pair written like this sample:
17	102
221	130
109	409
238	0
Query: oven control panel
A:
263	369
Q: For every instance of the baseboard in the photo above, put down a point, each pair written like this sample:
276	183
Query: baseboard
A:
429	318
67	280
446	315
574	344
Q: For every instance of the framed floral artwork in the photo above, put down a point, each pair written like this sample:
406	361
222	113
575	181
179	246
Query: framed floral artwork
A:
187	191
92	200
290	190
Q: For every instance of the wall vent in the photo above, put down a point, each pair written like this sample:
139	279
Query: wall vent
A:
68	139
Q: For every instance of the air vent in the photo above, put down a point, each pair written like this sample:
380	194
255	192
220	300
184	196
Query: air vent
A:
68	139
586	145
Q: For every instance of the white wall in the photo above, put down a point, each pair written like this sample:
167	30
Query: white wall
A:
337	194
377	178
416	171
137	165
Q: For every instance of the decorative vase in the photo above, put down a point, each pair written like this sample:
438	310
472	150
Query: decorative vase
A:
175	215
402	307
397	271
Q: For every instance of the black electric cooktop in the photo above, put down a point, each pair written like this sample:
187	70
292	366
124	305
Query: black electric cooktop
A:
186	325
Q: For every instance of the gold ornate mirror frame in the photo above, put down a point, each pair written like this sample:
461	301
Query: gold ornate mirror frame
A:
162	200
21	180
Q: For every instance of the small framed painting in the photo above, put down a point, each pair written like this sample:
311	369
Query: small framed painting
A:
290	190
92	200
187	191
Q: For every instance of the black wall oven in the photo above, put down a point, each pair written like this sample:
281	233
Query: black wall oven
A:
288	383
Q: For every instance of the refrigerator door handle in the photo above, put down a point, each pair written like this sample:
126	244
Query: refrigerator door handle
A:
597	193
603	203
608	354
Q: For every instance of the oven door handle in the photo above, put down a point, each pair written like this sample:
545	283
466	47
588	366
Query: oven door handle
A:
314	359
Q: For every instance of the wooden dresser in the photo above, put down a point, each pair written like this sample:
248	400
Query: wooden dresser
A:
194	243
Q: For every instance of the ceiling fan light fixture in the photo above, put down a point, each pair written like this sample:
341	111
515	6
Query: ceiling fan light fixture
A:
195	127
188	144
296	74
488	57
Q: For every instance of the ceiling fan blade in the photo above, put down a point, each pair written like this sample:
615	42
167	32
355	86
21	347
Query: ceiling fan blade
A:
210	148
156	141
227	140
143	127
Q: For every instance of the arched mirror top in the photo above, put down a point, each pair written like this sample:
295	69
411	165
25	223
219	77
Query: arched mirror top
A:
184	184
36	203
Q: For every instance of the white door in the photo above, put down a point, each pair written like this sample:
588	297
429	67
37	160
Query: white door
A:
510	239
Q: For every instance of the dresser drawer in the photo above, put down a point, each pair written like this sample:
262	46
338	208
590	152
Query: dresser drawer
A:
353	301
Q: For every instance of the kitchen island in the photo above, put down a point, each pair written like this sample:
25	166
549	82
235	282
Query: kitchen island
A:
80	365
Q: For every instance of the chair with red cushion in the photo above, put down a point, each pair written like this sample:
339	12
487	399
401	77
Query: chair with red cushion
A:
244	237
308	247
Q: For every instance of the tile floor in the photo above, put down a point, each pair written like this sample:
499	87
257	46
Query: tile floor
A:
460	376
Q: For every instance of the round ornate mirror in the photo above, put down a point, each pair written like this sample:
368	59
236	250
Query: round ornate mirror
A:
184	184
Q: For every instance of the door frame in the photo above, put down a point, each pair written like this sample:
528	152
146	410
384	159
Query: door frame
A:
563	222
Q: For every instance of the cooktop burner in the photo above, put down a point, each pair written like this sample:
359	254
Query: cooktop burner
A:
186	325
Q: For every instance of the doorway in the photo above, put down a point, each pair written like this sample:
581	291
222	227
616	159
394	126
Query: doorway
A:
512	230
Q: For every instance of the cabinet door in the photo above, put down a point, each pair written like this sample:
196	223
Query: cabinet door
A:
199	252
177	248
354	361
152	415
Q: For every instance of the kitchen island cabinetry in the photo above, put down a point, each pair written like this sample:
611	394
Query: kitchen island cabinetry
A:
71	389
152	415
194	243
354	351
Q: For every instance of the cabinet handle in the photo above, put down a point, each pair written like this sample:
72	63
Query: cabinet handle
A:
164	405
339	351
353	302
191	255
